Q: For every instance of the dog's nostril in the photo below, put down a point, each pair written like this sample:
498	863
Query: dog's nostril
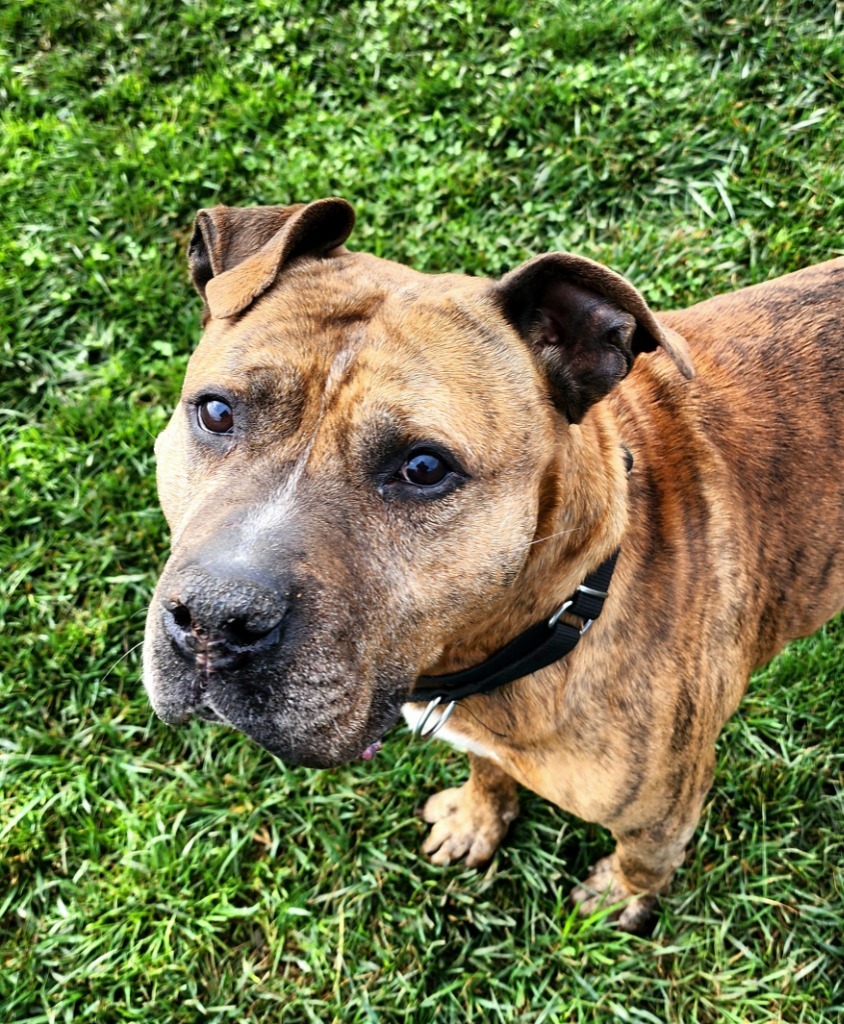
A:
238	633
181	616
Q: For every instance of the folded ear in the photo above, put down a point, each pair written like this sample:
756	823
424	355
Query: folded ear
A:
235	254
586	324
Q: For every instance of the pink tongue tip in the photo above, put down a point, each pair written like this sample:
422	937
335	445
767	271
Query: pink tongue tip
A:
371	750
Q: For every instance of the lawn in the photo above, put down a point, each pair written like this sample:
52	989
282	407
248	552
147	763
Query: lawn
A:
155	875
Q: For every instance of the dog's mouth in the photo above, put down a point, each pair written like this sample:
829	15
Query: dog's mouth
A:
205	712
316	737
208	714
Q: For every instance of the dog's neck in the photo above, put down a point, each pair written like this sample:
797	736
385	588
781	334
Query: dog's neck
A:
581	521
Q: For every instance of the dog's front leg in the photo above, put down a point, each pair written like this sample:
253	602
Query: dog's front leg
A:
471	820
645	859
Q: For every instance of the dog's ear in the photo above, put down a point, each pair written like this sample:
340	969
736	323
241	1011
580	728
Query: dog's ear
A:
585	323
235	254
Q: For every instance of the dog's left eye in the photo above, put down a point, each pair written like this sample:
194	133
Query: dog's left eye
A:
424	469
215	416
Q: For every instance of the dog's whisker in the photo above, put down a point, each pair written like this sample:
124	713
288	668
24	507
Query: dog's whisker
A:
551	536
122	657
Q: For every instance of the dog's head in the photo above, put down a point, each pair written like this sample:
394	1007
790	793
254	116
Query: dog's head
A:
361	460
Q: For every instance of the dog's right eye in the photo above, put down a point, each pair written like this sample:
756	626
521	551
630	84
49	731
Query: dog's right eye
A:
425	469
215	416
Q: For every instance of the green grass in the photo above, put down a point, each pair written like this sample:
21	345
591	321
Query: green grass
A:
161	876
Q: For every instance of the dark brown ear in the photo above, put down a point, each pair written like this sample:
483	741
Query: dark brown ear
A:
235	254
586	325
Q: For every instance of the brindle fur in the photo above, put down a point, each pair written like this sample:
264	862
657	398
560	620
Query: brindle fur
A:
731	524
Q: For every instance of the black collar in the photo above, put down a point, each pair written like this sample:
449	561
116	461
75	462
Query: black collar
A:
534	649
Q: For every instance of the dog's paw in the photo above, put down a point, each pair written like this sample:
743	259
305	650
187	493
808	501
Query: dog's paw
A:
465	825
603	889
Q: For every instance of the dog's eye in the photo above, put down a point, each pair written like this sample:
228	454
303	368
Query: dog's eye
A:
424	469
216	416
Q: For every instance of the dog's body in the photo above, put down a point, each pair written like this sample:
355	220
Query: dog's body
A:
317	571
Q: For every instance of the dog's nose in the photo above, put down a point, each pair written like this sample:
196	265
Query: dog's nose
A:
219	622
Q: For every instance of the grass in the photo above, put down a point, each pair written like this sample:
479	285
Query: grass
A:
153	875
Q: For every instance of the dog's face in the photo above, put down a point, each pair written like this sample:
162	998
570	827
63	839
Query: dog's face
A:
354	477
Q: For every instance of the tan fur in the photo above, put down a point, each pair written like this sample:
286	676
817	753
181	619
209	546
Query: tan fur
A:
731	531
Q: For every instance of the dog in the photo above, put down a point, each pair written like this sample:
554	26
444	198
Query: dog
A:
383	485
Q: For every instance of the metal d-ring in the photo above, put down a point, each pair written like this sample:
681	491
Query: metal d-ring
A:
419	731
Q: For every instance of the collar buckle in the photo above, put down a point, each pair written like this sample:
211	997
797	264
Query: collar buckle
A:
555	618
602	595
564	607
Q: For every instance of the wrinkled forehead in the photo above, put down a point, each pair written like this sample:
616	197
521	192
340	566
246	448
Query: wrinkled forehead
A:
368	340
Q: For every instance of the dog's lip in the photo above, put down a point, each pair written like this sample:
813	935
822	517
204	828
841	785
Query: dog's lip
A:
207	713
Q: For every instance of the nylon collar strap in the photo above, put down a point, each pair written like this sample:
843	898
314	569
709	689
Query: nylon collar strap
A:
536	648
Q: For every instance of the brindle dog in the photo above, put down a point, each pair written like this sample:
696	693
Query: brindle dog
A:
376	474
